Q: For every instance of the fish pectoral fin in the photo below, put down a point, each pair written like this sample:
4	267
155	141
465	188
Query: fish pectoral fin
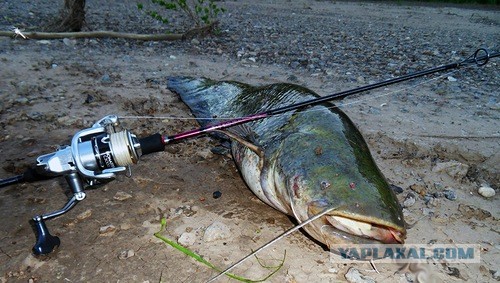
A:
253	147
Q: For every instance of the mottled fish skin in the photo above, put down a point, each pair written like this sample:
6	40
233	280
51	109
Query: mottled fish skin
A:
311	159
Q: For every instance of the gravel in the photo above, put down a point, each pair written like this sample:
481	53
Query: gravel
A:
351	43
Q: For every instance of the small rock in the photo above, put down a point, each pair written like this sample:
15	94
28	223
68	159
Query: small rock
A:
419	189
187	239
353	275
126	254
450	194
409	200
205	153
106	79
125	226
216	231
86	214
121	196
35	116
397	190
410	277
427	198
496	275
427	211
294	64
46	42
486	191
455	169
438	186
195	41
107	230
217	194
69	42
453	271
451	79
438	194
433	202
293	78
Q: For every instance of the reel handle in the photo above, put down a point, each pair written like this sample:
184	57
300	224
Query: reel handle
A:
45	242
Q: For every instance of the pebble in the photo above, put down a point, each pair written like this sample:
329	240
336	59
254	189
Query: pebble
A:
427	211
433	202
353	275
486	191
438	186
452	79
333	270
496	275
195	41
108	230
125	226
43	41
69	42
216	231
419	189
397	190
217	194
205	153
409	200
187	239
86	214
450	194
106	79
126	254
121	196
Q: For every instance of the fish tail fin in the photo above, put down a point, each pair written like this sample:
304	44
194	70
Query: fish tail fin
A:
206	98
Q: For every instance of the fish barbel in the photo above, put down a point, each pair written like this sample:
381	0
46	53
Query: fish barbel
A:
302	162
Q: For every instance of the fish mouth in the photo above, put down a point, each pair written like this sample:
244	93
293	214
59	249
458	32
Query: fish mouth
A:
381	233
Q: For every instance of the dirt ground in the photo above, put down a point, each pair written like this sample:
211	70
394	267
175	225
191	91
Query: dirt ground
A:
52	89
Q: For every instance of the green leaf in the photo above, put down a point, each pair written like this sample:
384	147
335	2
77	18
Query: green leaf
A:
140	6
199	258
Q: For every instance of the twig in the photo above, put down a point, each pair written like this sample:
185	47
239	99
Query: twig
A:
195	32
95	34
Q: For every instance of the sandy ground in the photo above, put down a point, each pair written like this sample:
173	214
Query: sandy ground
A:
52	89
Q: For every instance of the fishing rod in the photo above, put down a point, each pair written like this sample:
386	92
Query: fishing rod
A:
477	58
98	153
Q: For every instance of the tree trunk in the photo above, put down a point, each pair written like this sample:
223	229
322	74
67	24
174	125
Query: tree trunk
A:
71	19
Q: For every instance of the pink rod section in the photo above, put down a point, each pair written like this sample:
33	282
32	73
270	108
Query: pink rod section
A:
211	128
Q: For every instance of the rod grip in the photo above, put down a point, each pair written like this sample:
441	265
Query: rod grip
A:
153	143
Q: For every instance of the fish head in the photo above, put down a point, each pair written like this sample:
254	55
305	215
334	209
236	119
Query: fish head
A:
325	170
357	217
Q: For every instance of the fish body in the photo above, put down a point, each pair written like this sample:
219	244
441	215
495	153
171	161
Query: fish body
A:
304	161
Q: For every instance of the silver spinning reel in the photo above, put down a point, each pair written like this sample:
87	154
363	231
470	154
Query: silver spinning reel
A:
95	156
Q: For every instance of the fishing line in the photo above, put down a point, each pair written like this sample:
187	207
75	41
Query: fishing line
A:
474	58
341	104
290	231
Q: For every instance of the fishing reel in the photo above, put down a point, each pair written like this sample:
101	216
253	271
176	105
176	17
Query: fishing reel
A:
95	156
